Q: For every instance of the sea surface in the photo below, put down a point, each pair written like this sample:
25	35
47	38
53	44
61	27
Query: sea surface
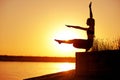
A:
23	70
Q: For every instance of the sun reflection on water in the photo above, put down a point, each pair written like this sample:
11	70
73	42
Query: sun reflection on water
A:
66	66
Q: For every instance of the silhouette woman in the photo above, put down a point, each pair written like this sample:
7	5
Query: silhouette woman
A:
82	43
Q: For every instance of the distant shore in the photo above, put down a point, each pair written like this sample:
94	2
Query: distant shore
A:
36	59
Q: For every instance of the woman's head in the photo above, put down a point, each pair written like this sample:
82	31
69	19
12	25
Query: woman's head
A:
90	22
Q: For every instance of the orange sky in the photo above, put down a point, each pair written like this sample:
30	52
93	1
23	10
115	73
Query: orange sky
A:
29	27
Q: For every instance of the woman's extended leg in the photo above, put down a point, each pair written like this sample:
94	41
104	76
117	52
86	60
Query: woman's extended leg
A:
78	43
65	41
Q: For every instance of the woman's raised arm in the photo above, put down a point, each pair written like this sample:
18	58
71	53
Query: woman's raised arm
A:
91	14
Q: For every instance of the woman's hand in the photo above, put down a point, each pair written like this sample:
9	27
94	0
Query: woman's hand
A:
90	4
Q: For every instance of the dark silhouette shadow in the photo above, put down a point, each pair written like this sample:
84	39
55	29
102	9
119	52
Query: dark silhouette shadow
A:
82	43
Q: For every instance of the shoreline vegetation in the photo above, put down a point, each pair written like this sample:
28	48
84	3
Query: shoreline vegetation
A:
36	59
101	44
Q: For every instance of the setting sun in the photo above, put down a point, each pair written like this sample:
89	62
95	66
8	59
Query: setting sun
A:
66	35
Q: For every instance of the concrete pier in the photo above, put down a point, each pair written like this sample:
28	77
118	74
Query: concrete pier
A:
103	64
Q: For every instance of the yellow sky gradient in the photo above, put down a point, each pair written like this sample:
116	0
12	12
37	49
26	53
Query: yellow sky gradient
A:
29	27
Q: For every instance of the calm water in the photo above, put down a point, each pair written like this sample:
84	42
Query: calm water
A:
22	70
